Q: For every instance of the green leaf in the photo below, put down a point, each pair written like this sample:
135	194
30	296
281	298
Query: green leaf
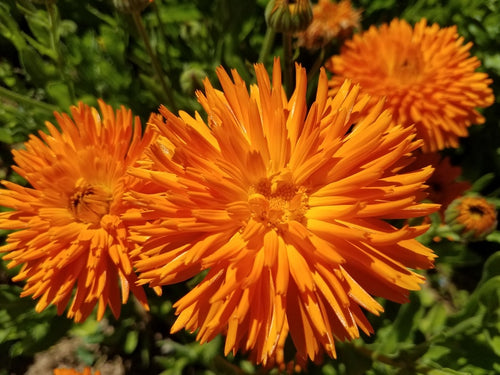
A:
60	94
9	27
38	70
131	341
447	371
482	182
491	267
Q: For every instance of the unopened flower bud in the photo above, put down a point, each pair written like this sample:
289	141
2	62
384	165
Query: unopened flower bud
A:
473	217
289	16
131	6
191	79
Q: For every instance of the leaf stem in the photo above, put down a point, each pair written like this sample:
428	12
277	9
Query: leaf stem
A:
169	99
19	98
267	44
55	46
288	63
316	66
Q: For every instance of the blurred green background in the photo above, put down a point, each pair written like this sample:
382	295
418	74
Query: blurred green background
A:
54	54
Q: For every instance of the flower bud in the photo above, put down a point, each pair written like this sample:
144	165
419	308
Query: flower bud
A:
473	217
191	79
131	6
288	16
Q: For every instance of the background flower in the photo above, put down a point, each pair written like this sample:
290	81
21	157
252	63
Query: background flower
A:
473	217
287	210
426	73
445	183
69	235
331	20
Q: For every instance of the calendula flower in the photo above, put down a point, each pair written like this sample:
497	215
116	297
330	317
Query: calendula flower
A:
444	184
70	371
69	235
286	208
331	20
426	73
473	217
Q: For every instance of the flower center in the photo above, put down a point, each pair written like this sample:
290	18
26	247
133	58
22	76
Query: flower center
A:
276	201
476	211
408	66
89	202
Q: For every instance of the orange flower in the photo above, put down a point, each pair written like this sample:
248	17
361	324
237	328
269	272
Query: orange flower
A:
426	73
473	217
331	20
70	371
286	210
69	232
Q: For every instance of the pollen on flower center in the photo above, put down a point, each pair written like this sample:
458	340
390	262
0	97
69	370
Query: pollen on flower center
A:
89	202
276	201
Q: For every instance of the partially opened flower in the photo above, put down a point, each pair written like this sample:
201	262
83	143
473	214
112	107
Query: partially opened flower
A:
69	236
331	20
473	217
426	73
286	208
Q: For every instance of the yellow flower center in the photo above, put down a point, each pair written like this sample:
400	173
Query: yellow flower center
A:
276	201
89	202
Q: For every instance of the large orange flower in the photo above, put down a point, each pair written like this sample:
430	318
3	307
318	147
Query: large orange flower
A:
69	232
286	208
426	73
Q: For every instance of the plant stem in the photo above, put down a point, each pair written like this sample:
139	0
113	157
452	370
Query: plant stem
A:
154	61
54	44
266	46
377	356
316	66
288	63
162	34
18	98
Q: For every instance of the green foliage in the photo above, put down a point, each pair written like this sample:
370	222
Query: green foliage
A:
54	54
24	332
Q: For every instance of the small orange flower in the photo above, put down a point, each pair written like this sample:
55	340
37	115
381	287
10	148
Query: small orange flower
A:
287	209
69	232
426	73
70	371
331	20
473	217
